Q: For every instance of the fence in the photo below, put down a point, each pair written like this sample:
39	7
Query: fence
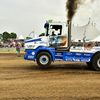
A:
9	49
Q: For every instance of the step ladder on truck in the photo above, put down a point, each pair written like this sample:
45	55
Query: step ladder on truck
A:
56	45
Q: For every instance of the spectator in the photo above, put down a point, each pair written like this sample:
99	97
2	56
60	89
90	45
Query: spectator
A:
18	47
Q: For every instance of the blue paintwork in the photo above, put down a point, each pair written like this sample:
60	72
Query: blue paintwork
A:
44	60
73	56
58	55
46	23
29	55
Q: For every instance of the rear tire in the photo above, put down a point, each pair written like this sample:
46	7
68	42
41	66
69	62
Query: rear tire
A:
44	59
95	62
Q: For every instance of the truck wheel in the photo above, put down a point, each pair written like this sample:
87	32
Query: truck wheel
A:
95	62
44	59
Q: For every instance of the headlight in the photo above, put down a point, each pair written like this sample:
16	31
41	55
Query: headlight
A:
33	53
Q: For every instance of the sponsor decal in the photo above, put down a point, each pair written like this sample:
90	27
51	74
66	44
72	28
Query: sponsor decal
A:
85	60
96	48
69	59
88	47
77	48
59	54
30	57
77	60
30	46
87	54
43	42
35	42
69	53
78	54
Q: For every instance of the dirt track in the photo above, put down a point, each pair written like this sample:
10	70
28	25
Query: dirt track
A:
24	80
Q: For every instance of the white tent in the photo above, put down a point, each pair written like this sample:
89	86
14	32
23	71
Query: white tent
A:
97	39
89	30
21	37
35	36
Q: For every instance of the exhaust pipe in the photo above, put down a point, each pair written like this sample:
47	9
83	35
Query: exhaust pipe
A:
69	34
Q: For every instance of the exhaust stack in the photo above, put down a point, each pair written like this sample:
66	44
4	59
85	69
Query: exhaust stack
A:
69	34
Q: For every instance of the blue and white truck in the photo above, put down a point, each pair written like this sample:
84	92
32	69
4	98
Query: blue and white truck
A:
56	45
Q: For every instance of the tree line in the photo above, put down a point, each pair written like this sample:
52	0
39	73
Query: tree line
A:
5	36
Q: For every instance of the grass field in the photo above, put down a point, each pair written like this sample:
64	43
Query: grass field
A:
22	51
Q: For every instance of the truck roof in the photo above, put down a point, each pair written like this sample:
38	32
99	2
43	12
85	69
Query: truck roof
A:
55	23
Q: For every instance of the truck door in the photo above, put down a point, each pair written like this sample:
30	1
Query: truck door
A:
57	38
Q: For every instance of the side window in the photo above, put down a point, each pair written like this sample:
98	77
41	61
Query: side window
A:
56	30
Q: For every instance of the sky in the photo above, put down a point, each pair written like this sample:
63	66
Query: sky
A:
24	16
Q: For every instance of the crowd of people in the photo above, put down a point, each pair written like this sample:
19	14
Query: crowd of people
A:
88	44
7	45
10	45
18	46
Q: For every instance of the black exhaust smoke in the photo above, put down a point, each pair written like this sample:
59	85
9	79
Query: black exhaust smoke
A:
72	6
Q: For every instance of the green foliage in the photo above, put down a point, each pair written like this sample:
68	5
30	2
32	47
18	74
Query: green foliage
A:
7	36
28	37
42	34
0	36
13	35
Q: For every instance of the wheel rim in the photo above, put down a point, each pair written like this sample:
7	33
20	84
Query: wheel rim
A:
44	59
98	63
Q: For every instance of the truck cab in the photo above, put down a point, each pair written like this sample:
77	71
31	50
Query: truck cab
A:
57	33
56	45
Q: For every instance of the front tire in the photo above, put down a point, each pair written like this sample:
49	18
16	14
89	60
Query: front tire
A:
44	59
95	62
